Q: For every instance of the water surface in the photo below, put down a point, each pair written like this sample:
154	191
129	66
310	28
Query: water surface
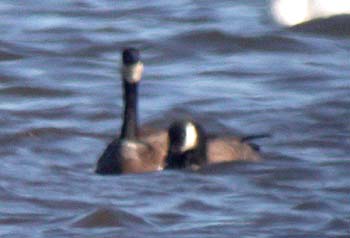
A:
223	62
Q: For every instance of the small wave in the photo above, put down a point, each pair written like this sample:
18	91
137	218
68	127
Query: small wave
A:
106	217
312	206
196	205
6	56
23	91
337	224
169	218
228	43
54	132
22	219
44	135
267	219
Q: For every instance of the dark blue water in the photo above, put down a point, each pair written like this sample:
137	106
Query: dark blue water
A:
227	64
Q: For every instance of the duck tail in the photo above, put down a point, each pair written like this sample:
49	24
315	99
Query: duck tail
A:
254	137
249	138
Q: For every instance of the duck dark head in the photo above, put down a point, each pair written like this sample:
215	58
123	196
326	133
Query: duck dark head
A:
187	145
132	67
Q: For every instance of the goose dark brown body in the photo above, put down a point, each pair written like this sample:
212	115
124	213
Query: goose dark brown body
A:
134	151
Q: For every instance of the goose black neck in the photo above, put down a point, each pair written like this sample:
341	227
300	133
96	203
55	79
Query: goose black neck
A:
129	129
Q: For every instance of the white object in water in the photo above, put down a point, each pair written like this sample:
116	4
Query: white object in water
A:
292	12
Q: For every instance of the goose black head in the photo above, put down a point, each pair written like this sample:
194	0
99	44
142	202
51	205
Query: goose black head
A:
187	145
132	67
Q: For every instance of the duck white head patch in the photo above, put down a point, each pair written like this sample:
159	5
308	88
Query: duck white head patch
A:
191	137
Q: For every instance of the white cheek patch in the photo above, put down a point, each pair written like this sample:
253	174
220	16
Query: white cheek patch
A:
191	138
132	73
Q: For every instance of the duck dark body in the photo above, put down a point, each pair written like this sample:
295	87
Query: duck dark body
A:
207	151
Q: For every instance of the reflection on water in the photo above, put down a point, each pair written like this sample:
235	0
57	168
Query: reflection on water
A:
225	63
